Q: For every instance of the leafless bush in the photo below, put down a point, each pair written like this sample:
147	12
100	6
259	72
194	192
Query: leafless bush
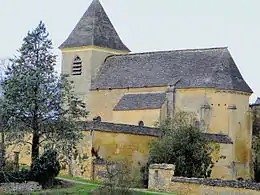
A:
118	179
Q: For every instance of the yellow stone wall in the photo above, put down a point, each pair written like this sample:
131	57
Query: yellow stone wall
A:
102	102
24	153
222	157
220	119
195	189
92	58
235	123
132	117
161	177
190	100
114	146
81	165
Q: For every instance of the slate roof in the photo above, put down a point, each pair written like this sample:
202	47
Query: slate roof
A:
121	128
141	101
94	28
194	68
139	130
219	138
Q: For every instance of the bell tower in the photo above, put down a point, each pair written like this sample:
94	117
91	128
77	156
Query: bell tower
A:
91	41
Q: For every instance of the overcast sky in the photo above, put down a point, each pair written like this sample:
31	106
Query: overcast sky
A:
148	25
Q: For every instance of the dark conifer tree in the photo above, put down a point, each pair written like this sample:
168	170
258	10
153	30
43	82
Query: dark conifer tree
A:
43	104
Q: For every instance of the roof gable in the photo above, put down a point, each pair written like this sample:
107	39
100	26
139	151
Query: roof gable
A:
197	68
95	28
141	101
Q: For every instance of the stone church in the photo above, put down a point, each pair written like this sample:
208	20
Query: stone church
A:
127	93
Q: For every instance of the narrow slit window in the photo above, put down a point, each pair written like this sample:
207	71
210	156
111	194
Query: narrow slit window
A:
77	66
156	175
141	123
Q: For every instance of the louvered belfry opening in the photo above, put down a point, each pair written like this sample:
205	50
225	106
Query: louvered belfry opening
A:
77	66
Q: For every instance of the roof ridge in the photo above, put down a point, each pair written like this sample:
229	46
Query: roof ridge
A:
94	18
169	51
152	92
90	30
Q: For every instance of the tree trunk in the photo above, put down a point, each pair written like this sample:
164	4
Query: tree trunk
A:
2	151
35	146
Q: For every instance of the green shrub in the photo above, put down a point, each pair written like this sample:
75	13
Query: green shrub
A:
45	168
15	176
183	144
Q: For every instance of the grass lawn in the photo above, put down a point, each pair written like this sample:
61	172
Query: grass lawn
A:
79	179
82	189
94	184
73	190
79	190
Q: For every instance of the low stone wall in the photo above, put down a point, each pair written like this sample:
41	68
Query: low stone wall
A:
100	169
161	177
19	187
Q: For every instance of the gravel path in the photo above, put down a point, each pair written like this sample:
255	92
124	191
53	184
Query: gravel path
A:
134	189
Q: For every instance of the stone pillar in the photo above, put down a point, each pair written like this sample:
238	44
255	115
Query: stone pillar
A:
170	97
250	127
232	125
160	176
232	121
204	117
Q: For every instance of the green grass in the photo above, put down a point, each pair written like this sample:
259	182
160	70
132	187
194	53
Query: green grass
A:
78	190
83	189
75	190
98	182
79	179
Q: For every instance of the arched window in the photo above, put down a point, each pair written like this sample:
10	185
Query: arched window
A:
97	119
77	66
141	123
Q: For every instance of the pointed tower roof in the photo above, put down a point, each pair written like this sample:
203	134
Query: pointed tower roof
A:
95	28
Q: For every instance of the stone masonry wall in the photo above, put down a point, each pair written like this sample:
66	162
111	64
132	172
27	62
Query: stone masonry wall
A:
100	169
161	177
19	187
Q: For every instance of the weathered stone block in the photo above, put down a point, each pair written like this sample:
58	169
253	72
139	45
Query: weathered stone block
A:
19	187
160	176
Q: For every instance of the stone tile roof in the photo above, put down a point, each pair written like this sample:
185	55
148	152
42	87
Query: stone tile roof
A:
139	130
141	101
121	128
94	28
219	138
195	68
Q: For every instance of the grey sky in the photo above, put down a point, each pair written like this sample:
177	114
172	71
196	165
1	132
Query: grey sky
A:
148	25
